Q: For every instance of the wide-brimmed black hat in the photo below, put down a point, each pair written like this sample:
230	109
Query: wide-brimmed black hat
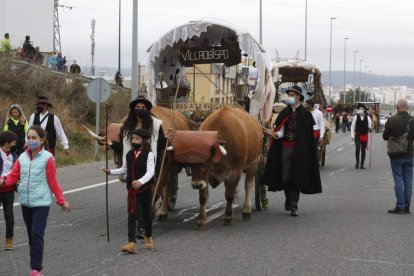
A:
43	100
142	132
140	99
362	105
296	89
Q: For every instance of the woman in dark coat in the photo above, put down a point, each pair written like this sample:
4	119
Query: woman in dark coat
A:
292	163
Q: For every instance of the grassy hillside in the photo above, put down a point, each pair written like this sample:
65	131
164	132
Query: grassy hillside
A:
22	84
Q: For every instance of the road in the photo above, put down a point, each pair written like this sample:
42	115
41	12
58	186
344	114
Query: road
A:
346	230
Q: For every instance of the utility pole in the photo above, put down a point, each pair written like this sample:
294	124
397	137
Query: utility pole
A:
330	63
119	37
134	77
260	37
306	27
93	48
57	46
354	77
345	39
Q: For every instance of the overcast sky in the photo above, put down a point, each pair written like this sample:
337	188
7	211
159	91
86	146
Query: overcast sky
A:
381	30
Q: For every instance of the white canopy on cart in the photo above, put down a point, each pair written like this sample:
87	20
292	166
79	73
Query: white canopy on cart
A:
163	58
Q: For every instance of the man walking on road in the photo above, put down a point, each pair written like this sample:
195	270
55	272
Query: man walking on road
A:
292	163
399	132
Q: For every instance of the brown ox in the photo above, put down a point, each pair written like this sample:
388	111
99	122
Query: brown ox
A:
243	136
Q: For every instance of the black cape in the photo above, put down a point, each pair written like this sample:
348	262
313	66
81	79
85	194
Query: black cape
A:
305	167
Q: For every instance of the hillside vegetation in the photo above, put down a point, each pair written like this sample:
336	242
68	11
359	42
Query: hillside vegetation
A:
22	84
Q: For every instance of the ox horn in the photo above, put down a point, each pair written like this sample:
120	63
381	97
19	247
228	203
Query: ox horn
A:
93	135
170	148
223	150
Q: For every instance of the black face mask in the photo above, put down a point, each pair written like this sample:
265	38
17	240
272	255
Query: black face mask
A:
141	113
39	108
136	146
13	148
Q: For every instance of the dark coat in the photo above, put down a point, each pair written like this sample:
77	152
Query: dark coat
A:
396	126
305	174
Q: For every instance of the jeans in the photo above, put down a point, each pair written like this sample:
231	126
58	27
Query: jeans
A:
35	219
402	171
7	200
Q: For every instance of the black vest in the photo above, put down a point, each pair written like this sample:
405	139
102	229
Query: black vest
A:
19	131
137	168
50	129
361	126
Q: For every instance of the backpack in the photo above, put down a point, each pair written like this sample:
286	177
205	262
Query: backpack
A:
398	146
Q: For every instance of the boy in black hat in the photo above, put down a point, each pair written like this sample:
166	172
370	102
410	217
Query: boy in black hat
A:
50	123
292	163
139	168
361	124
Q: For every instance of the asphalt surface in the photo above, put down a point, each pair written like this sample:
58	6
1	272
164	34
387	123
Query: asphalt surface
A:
346	230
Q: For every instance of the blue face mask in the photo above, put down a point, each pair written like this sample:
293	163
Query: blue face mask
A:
33	145
291	100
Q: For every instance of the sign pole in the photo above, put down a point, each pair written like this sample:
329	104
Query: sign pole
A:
98	112
106	175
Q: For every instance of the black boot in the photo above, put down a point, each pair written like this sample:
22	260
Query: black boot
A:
357	166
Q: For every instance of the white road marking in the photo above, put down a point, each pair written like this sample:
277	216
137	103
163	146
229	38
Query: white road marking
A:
375	261
332	173
79	189
218	214
215	206
339	149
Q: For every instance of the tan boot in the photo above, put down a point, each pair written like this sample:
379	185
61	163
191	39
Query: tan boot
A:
130	247
9	244
148	243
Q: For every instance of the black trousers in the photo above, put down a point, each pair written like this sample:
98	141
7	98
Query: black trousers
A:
291	193
7	200
143	202
360	149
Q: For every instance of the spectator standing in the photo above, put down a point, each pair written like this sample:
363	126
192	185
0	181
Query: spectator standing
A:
319	126
50	123
74	68
28	49
118	79
399	132
8	156
37	167
16	122
5	45
60	62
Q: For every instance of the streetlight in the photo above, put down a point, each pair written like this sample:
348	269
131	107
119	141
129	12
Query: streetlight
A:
345	39
306	26
134	66
119	38
360	61
330	63
260	33
354	74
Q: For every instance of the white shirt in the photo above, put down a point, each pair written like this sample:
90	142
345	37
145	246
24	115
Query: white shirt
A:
148	175
354	124
319	123
60	133
7	163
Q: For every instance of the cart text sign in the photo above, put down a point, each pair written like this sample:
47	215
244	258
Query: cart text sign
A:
194	106
190	56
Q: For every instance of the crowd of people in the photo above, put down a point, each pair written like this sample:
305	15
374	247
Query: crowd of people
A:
32	54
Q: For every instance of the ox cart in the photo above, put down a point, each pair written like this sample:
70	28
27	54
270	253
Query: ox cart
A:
202	69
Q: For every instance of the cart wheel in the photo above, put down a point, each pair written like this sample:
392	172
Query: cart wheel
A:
323	156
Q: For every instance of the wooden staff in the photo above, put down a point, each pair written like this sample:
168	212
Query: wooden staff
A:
370	150
106	175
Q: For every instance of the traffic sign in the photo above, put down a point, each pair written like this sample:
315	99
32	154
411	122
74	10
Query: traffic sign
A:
98	90
329	108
